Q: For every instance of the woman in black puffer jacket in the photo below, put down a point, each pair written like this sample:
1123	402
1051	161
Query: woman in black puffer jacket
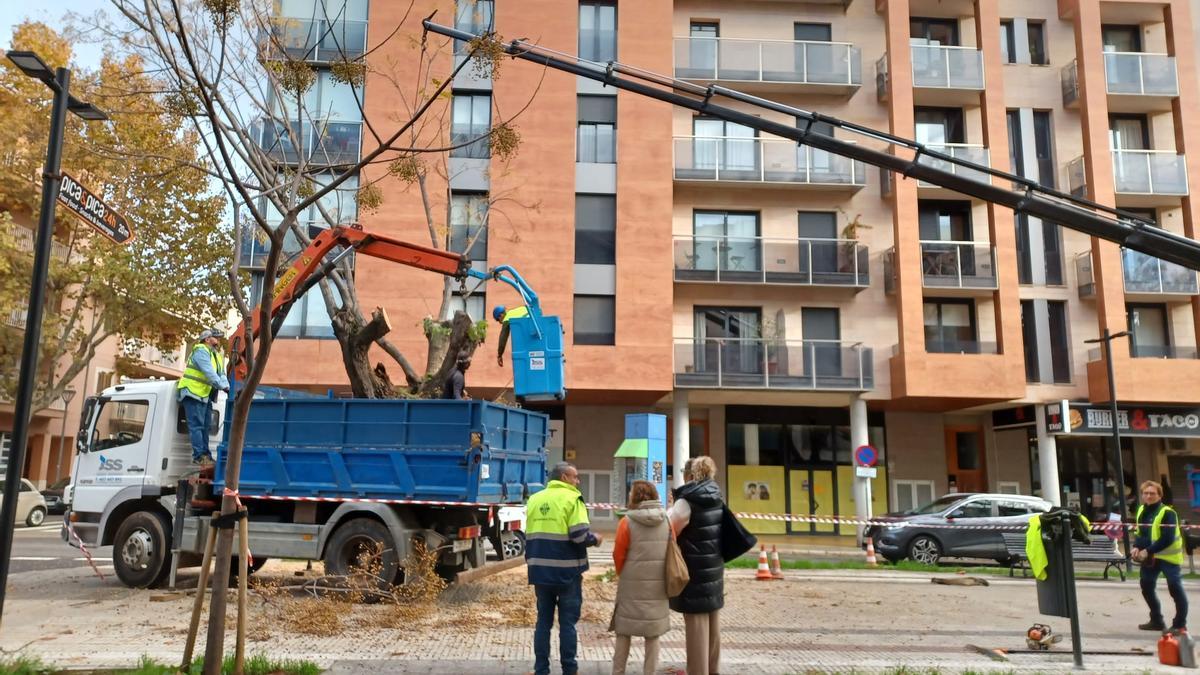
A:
696	518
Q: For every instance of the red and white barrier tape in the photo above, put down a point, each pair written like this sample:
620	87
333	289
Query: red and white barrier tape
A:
86	553
238	501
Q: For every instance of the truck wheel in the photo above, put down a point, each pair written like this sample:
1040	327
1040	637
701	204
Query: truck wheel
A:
142	550
512	545
353	547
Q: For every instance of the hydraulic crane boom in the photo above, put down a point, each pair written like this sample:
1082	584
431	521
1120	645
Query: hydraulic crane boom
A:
310	266
1024	197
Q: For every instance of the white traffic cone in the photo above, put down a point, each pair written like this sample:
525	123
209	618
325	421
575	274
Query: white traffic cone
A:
764	570
871	561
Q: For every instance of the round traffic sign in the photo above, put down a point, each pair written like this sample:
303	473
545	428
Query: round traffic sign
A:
865	455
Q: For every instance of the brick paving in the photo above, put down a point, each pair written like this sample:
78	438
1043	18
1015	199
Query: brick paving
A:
835	621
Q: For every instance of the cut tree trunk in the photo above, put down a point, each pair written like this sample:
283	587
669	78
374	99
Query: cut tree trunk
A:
356	337
458	341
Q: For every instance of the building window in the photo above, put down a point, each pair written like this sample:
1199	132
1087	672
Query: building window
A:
595	320
942	32
596	229
912	494
596	140
1029	341
473	16
1008	45
1037	43
726	240
950	327
1043	141
1060	353
471	119
598	31
468	225
939	126
702	48
1150	334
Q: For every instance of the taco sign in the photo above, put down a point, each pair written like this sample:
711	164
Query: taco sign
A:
1084	419
93	211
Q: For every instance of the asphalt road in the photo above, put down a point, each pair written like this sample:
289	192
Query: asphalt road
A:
42	548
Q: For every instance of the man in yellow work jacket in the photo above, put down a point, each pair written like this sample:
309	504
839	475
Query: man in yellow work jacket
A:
557	536
203	377
1159	548
504	315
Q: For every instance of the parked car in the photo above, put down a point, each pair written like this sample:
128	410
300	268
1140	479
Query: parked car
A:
53	495
926	534
31	507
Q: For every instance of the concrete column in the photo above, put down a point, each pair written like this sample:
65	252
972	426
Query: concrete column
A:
1047	459
683	442
750	442
859	436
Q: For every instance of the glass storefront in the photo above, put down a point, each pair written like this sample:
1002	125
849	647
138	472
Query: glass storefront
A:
797	461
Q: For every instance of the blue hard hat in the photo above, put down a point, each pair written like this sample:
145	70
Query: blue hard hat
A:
498	312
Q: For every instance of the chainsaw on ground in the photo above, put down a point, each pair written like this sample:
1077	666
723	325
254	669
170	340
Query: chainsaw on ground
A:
1040	637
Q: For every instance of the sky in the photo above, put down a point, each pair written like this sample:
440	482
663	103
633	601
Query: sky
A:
51	12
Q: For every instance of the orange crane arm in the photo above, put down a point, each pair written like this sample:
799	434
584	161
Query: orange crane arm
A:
310	267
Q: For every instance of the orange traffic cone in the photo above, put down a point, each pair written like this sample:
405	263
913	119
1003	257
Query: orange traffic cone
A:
764	572
776	568
871	561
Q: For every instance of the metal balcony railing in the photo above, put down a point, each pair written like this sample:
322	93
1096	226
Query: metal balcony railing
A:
958	264
1085	278
24	242
1149	172
1077	177
761	160
1140	74
1147	274
755	363
15	318
324	142
947	67
1070	83
811	262
768	61
152	355
972	153
319	41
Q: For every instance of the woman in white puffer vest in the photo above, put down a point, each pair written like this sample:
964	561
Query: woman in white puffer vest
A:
640	554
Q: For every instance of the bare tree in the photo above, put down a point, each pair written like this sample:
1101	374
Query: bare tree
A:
244	78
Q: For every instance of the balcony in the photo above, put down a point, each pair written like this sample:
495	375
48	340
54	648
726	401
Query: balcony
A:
839	263
1146	278
23	240
1141	178
1136	82
777	65
960	346
763	162
316	41
976	154
942	74
745	363
149	355
954	268
324	143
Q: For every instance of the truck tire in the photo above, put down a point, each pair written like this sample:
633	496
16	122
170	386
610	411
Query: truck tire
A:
354	542
512	544
142	550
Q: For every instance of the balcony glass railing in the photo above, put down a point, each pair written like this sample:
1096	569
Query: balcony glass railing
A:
1149	172
1140	351
958	264
971	153
323	142
943	67
1077	177
774	61
1140	74
1147	274
752	363
758	160
1070	83
316	40
813	262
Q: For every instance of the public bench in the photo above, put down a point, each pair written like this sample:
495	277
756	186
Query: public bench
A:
1099	549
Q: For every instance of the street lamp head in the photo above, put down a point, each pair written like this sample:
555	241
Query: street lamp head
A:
86	111
67	395
31	64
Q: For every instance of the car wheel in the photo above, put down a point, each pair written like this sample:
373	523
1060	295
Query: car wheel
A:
142	551
512	545
925	549
36	517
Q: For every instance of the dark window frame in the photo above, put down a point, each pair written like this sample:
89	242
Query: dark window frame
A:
1029	342
1039	55
480	149
587	238
598	339
973	321
596	50
1060	340
1008	43
924	24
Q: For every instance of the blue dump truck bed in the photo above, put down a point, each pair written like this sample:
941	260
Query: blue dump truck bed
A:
468	451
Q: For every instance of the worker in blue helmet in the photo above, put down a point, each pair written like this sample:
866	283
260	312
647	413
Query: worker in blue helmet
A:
504	315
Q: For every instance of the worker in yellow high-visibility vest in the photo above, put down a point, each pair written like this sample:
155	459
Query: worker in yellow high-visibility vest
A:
203	377
504	315
1159	548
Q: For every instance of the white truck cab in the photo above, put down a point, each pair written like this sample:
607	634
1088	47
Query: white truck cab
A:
133	447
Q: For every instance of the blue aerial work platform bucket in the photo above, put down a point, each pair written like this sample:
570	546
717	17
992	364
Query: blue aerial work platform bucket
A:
537	357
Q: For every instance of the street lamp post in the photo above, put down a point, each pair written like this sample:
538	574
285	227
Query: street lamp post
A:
1116	437
66	395
59	81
